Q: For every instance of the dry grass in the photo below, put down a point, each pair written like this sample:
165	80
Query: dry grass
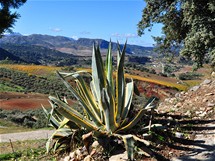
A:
155	79
32	69
160	81
44	70
10	127
21	145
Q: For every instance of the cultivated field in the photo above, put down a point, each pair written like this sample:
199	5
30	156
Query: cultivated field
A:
11	101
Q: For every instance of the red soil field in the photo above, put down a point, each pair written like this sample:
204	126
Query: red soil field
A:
20	101
23	104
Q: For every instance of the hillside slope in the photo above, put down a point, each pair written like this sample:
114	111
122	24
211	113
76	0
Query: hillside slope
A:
39	54
194	114
197	103
81	46
7	55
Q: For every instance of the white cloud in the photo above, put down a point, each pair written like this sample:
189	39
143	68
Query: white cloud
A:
131	35
126	35
56	29
85	33
132	39
140	42
116	35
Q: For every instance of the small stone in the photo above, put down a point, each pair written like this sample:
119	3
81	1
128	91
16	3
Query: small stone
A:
169	118
183	92
170	153
166	99
196	99
179	104
172	100
213	74
205	82
209	94
203	114
210	104
175	159
205	100
95	144
78	152
198	112
188	113
72	155
194	88
67	158
177	95
179	135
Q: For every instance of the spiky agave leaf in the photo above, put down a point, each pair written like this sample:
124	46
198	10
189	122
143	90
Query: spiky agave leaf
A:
129	142
120	83
73	115
53	122
137	118
128	99
129	146
109	68
98	73
109	113
62	130
82	100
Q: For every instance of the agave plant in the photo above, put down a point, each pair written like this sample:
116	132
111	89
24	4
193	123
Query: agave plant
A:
106	100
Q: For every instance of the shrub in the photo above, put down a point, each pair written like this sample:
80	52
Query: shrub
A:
31	119
189	76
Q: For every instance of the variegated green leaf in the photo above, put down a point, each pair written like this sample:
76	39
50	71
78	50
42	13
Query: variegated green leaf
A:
90	100
109	68
129	146
98	75
128	99
73	115
82	101
137	118
106	108
51	119
108	104
120	85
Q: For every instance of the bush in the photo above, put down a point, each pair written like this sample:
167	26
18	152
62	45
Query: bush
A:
189	76
31	119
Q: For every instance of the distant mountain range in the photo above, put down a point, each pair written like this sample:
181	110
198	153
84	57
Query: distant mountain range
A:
46	49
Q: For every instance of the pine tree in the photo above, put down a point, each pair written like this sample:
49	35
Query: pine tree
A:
8	18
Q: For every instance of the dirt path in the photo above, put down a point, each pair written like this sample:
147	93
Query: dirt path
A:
31	135
203	146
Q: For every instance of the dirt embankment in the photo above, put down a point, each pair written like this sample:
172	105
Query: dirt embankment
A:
197	103
197	107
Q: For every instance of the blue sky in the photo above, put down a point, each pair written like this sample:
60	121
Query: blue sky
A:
109	19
